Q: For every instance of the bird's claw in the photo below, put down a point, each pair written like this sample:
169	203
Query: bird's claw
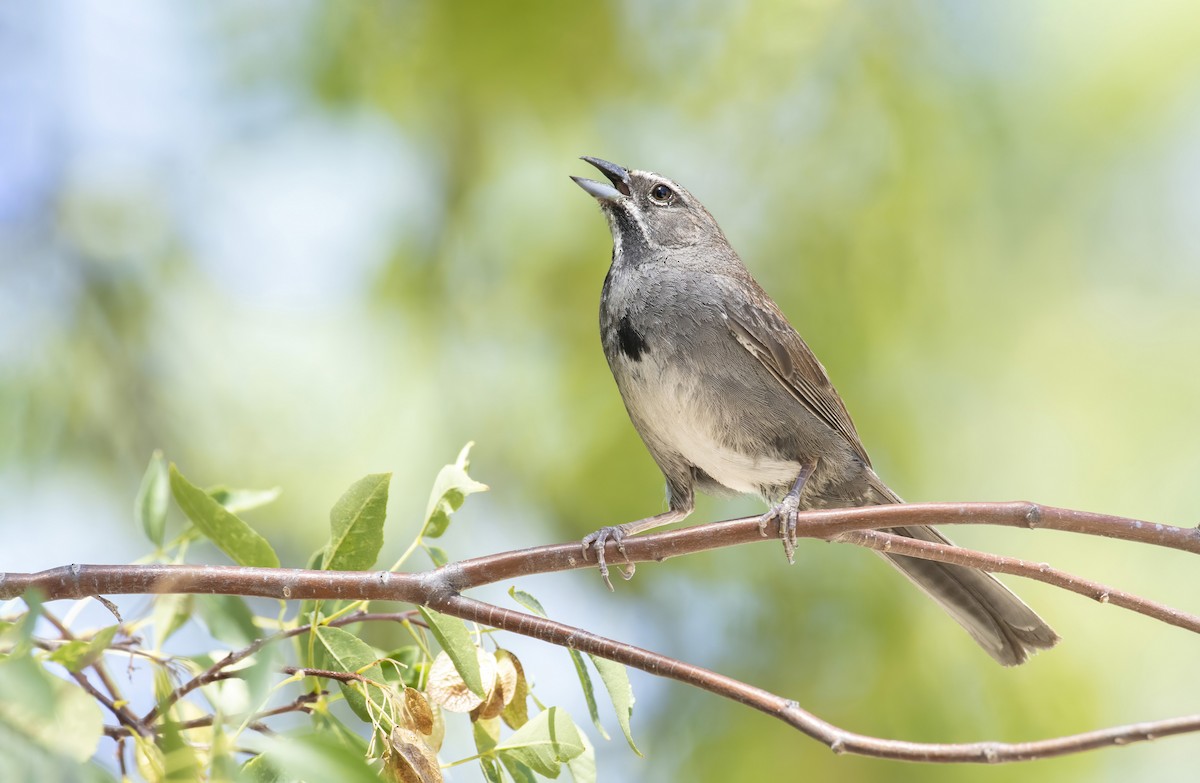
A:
599	541
785	513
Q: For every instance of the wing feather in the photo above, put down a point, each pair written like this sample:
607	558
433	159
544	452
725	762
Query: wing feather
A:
767	335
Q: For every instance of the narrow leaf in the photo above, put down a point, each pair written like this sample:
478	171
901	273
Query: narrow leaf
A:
450	489
544	743
585	679
233	536
356	525
150	506
616	681
454	637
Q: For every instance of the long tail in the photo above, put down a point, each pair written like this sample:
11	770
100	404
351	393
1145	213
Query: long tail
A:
1001	623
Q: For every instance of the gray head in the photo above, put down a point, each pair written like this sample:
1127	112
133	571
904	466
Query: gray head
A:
648	210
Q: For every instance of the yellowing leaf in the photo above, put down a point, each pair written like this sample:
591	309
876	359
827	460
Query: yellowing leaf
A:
447	687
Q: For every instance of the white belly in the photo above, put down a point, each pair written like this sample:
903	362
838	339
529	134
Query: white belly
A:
676	413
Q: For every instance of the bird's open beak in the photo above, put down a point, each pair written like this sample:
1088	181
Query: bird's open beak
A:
618	176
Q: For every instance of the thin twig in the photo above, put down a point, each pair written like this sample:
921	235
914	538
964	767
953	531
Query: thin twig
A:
302	703
114	701
892	543
308	671
836	739
216	671
122	714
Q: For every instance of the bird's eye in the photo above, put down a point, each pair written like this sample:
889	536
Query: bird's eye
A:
662	194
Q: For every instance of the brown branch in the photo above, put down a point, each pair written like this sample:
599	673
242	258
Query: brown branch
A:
1101	593
122	714
329	674
113	701
825	524
441	589
80	581
302	703
216	671
838	740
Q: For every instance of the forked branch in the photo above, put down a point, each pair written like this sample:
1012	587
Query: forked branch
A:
442	589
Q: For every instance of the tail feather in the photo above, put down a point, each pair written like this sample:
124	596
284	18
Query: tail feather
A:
1003	625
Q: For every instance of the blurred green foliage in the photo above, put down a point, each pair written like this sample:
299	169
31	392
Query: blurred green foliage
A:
981	216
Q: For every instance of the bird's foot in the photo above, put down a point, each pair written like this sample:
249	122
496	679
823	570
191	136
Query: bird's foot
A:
599	540
785	513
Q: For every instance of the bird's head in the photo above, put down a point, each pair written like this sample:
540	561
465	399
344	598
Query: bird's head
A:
648	210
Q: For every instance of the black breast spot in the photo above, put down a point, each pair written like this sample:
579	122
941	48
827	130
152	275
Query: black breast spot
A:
630	342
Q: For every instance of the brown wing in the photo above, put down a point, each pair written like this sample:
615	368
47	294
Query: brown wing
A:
762	329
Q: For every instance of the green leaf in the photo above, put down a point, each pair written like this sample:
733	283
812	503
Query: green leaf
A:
491	770
47	711
234	537
19	635
179	757
227	618
331	727
454	637
222	765
518	771
69	654
437	555
315	757
171	612
487	734
585	679
544	743
342	651
528	601
259	770
450	489
589	693
238	500
78	654
616	681
150	506
356	525
583	766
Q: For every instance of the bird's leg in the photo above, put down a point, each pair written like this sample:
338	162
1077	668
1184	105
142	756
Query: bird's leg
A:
786	511
599	540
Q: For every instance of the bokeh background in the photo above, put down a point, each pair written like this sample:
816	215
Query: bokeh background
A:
291	243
